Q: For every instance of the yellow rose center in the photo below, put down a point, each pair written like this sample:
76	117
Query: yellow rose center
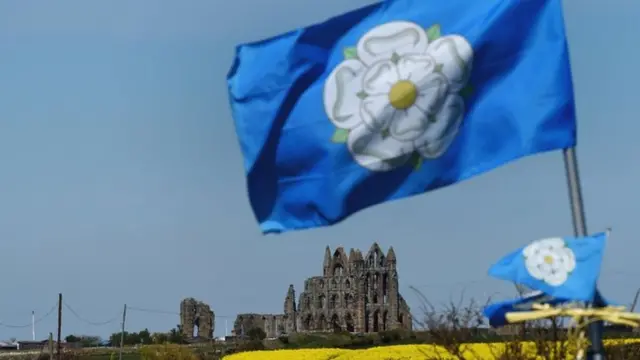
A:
548	259
403	94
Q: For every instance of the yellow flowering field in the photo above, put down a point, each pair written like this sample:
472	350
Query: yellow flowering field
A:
306	354
479	351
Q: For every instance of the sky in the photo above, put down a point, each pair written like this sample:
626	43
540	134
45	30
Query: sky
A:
121	178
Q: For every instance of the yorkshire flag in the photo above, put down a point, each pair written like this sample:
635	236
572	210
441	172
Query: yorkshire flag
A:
564	268
397	99
497	312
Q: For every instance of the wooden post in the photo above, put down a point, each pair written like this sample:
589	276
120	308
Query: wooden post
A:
59	345
124	317
50	346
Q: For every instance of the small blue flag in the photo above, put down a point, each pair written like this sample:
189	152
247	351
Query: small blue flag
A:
496	313
397	99
564	268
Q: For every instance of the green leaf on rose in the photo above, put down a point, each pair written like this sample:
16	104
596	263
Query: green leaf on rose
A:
340	136
416	161
433	32
466	91
350	53
362	95
395	58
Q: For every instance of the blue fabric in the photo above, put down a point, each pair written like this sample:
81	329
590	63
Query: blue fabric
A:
496	313
397	99
564	268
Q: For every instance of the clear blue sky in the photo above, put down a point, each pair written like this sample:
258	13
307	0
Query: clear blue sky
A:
121	178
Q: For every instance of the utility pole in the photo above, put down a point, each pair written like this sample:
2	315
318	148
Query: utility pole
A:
124	318
50	346
59	346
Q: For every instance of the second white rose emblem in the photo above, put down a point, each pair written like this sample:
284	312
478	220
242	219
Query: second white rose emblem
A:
397	96
549	260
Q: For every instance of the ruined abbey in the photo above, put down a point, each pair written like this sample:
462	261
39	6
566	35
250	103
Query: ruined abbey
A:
197	320
355	294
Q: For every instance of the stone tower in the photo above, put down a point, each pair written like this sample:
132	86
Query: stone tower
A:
290	310
196	314
356	293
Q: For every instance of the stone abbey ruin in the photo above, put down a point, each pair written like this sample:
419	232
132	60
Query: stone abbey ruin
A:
355	293
196	315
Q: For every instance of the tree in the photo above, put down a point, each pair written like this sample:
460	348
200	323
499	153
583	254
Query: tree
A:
130	338
90	341
71	338
160	338
175	335
84	340
144	337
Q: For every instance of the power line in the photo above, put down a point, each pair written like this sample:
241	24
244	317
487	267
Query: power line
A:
53	308
94	323
166	312
153	311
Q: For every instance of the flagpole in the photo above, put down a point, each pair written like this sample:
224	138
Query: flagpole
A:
596	352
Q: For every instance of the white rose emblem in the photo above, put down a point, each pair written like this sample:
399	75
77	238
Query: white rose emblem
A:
397	94
549	260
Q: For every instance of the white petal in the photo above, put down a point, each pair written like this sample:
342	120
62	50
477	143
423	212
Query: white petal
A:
432	92
532	268
530	249
569	260
375	152
551	243
379	78
546	267
341	101
441	132
377	112
408	125
415	67
541	255
556	279
400	37
455	55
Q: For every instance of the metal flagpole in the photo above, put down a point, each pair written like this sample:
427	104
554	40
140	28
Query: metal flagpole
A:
596	352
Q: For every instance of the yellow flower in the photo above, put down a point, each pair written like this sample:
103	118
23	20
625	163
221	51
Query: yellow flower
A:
306	354
478	351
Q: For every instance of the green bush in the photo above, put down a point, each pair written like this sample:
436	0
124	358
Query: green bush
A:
167	352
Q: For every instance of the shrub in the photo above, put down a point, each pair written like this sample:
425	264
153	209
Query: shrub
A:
167	352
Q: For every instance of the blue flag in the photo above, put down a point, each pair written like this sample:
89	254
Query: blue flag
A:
564	268
397	99
496	313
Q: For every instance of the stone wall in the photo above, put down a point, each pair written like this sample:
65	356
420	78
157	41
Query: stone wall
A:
196	314
273	325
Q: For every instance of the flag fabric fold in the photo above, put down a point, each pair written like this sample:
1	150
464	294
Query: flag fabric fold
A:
563	268
394	100
496	313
